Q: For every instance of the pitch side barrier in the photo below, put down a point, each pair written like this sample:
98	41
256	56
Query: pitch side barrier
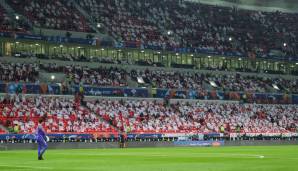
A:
87	141
141	136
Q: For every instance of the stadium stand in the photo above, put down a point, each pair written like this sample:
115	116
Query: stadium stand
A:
100	76
8	24
165	79
17	72
171	24
226	82
141	116
20	114
4	20
57	14
2	131
169	79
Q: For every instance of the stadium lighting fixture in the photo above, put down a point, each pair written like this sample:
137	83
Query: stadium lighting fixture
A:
213	84
17	17
140	80
285	44
53	77
275	86
230	38
169	32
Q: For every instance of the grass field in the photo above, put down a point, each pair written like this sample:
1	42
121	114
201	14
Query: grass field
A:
275	158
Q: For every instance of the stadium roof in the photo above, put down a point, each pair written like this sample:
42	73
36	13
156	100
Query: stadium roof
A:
262	5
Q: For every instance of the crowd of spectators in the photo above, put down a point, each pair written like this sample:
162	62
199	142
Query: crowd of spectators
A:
9	24
4	20
2	131
169	79
237	82
102	76
153	116
21	114
165	79
177	24
168	25
52	14
18	72
228	82
287	85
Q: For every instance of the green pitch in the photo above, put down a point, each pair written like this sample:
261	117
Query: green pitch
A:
276	158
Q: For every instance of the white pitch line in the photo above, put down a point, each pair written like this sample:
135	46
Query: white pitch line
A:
227	155
26	167
230	154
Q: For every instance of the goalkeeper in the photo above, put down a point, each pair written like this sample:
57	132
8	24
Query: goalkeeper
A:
41	139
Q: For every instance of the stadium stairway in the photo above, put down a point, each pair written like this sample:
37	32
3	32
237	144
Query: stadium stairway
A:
91	22
3	128
104	121
131	83
207	86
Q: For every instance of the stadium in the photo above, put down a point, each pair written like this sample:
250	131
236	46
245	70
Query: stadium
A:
165	85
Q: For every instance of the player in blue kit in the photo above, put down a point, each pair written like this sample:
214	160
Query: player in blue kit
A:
41	139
